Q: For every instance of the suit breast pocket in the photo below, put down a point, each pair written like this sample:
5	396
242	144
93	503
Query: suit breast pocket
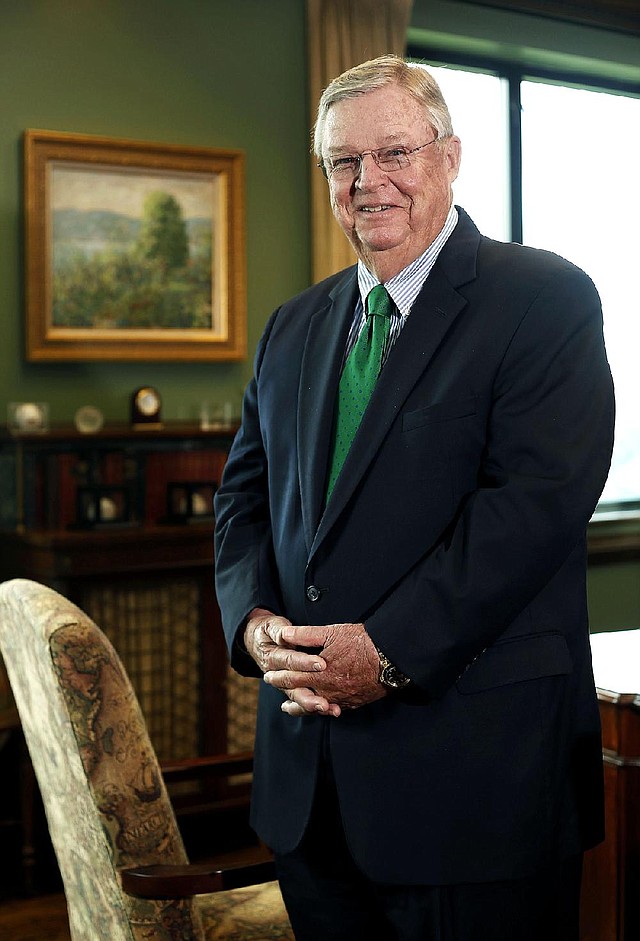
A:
445	441
440	412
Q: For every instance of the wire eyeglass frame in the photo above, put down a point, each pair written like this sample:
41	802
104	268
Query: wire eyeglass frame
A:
351	170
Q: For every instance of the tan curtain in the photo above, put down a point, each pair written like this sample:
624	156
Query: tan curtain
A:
341	34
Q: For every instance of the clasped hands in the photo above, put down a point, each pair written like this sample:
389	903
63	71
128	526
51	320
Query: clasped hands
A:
343	674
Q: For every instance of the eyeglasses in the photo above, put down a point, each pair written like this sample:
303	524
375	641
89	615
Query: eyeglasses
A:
389	159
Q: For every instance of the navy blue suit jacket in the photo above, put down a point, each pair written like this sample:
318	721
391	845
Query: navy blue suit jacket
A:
456	532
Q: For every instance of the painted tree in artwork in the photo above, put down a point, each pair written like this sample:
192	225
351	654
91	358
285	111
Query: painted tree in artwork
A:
163	232
113	271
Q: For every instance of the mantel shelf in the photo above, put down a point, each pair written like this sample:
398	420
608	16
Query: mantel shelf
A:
114	431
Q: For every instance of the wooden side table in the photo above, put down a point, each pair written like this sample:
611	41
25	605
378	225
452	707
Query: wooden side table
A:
611	885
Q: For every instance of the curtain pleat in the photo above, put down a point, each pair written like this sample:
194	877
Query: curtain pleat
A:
341	34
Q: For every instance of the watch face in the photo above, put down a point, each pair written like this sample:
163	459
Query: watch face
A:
392	677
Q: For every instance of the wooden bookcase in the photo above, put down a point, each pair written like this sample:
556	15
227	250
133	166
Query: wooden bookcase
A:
145	575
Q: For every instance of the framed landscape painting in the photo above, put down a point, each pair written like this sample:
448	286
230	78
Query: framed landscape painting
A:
134	250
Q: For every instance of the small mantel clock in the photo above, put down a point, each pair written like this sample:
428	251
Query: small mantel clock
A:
146	406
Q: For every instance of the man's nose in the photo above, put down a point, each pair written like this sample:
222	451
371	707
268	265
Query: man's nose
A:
370	173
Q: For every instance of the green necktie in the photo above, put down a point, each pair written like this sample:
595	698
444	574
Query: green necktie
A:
359	377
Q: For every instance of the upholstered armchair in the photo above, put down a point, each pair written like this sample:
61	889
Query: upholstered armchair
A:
124	867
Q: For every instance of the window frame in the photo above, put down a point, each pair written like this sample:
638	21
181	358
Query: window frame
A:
614	531
514	73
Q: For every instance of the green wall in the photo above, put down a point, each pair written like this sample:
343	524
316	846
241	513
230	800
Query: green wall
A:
218	73
614	596
212	73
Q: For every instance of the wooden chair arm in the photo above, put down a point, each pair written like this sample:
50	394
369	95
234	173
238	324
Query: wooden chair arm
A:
174	882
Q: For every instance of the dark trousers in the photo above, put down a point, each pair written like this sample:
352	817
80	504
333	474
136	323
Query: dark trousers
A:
329	899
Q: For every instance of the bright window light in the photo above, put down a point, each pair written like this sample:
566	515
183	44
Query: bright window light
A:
479	109
581	199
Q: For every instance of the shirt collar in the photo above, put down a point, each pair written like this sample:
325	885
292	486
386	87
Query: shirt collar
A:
405	286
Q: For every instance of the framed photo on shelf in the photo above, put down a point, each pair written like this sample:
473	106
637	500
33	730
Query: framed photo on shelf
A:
134	250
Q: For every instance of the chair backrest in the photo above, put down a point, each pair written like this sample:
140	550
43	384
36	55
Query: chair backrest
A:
101	785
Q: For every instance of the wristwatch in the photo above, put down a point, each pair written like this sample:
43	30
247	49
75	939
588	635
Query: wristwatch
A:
390	676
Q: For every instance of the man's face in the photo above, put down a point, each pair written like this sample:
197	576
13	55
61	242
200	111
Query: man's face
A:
389	218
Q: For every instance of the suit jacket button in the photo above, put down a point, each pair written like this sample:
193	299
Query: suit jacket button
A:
313	593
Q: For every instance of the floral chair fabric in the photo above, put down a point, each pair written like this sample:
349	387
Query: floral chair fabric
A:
105	799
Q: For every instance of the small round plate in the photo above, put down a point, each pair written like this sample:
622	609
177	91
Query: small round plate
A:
89	419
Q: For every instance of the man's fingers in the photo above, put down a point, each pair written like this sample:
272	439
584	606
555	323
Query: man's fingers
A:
292	708
297	661
306	635
303	701
275	629
287	679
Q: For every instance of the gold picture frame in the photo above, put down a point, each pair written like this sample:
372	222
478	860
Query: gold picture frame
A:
134	250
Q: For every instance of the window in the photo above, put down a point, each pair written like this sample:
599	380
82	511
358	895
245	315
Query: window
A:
479	108
578	199
560	173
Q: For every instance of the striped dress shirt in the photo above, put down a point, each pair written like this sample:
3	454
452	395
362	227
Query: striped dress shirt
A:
403	288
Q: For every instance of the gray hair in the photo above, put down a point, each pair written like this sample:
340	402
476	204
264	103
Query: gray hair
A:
376	73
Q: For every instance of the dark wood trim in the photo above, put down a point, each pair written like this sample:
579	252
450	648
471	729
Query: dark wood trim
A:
618	15
610	909
51	556
614	537
515	151
67	434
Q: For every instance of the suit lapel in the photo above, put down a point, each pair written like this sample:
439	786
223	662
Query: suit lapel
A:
322	357
435	310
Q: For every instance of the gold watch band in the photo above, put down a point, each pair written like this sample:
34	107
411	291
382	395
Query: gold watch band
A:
389	675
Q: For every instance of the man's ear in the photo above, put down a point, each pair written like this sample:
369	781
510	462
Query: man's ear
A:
453	155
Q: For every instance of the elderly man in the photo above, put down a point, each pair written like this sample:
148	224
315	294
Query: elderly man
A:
401	553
